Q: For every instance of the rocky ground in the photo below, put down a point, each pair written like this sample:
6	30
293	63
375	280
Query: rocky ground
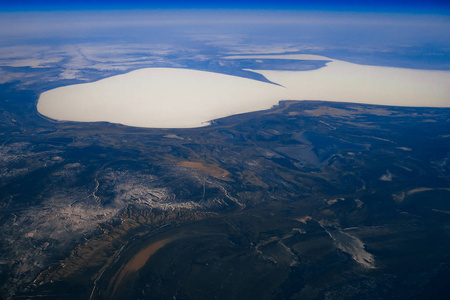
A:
306	200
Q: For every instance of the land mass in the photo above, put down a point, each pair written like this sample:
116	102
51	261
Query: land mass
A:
305	200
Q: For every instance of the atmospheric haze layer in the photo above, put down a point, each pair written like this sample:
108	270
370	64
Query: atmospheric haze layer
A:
184	98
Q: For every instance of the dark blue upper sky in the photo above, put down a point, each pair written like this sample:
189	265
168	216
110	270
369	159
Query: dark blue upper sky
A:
428	6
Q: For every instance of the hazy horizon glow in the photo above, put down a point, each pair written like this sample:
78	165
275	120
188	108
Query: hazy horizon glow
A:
399	40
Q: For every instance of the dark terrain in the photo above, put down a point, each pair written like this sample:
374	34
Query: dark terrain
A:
308	200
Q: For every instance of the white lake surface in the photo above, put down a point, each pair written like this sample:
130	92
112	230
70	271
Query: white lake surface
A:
184	98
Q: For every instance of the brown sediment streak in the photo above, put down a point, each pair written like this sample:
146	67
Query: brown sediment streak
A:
136	263
212	170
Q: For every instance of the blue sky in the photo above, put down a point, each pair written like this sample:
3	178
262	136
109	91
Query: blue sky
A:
429	6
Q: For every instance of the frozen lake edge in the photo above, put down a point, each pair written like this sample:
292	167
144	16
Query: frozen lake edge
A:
186	98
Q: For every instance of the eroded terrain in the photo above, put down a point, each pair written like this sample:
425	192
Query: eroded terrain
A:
305	200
